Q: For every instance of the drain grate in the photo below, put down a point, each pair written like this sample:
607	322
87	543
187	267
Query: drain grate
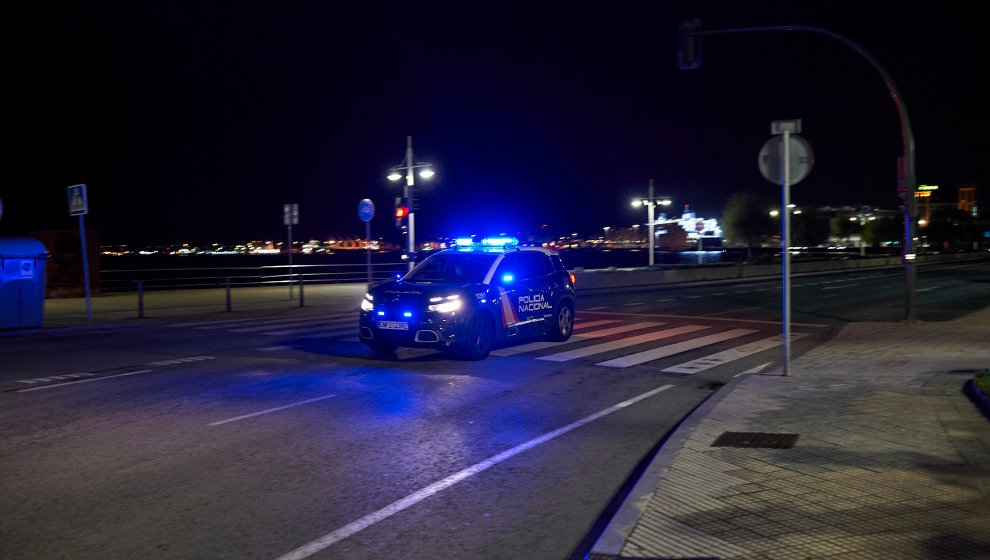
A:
756	439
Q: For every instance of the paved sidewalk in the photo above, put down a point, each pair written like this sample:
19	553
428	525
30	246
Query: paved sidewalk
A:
891	459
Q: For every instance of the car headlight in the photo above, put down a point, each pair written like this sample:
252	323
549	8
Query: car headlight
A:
366	304
448	304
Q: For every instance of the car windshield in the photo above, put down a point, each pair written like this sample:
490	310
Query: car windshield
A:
453	268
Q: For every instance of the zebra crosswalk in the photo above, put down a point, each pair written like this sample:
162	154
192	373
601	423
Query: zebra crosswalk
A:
646	342
607	342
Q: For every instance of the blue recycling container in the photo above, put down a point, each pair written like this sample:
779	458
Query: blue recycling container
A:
22	282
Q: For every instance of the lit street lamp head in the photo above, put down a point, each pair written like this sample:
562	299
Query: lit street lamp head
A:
426	173
394	176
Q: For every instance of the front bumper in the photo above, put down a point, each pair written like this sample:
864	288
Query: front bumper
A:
425	330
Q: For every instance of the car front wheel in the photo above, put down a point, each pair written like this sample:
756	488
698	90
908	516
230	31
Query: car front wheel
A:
479	335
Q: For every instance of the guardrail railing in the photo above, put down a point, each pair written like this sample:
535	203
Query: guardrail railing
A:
115	281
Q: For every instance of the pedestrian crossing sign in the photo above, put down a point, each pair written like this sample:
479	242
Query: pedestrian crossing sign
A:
77	200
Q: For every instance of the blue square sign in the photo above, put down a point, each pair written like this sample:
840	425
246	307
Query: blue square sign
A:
77	200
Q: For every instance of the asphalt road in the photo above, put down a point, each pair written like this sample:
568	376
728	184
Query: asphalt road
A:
278	436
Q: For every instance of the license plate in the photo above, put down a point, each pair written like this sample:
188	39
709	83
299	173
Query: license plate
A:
393	325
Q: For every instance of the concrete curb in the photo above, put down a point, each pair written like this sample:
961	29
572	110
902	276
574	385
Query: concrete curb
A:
613	538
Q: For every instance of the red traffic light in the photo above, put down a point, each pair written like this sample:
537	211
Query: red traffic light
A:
401	212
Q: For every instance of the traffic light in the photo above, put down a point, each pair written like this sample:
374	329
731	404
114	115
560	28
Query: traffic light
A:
688	44
401	211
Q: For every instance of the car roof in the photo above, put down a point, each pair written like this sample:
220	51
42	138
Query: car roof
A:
499	254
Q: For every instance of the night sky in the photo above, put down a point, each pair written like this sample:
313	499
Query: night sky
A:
194	122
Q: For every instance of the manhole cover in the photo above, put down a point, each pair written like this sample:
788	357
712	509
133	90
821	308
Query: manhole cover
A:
755	439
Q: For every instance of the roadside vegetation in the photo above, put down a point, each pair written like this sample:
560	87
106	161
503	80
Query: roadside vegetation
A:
983	381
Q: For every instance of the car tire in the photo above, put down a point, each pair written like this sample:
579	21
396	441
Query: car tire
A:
479	336
562	324
381	349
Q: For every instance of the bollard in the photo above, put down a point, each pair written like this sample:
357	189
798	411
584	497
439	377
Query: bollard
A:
140	299
302	299
228	293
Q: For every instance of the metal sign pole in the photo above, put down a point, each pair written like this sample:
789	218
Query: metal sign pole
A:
786	248
290	260
410	201
780	171
366	211
82	236
650	229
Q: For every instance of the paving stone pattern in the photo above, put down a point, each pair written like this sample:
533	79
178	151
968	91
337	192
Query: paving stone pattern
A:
893	461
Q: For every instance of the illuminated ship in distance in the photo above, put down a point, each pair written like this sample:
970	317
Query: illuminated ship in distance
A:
689	223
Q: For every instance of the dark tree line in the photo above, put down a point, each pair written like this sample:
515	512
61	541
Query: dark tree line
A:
746	220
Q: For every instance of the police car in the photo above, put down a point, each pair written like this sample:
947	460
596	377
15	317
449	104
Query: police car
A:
466	299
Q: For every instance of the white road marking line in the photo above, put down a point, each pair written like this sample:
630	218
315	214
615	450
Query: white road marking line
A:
928	289
693	317
540	345
180	361
839	287
412	499
726	356
594	308
691	297
276	409
729	311
274	348
341	332
590	324
719	294
757	369
323	327
82	381
296	323
633	303
244	320
671	349
55	377
620	329
622	343
666	299
286	321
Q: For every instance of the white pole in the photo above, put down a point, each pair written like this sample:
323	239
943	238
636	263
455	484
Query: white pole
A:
409	200
786	242
650	217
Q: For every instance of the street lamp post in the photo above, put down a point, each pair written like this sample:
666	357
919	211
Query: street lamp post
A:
408	192
689	57
650	201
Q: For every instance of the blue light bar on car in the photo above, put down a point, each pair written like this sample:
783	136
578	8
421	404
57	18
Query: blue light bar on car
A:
499	241
464	241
